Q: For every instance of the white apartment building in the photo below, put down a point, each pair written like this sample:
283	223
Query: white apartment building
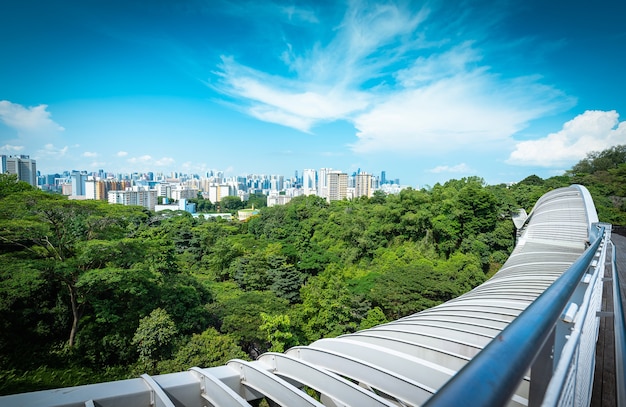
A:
219	191
337	185
363	185
164	189
145	198
90	188
184	193
275	199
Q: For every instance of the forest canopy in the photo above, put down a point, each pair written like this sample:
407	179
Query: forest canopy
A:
91	291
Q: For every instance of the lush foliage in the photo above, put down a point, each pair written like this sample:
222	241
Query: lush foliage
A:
91	291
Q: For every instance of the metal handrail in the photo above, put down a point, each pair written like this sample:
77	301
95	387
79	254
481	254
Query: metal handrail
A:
493	375
619	327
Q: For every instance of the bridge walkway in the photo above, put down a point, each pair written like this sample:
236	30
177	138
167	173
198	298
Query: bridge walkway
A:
604	386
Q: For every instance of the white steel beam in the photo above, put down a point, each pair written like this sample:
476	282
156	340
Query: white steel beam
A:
278	390
341	391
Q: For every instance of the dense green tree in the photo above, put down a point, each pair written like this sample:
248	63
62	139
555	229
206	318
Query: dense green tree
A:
207	349
60	231
231	203
278	331
605	160
240	317
256	201
154	338
328	308
10	184
375	316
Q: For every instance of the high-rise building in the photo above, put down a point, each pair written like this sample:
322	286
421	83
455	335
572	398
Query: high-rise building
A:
363	185
322	182
91	186
79	180
219	191
277	182
383	177
309	186
145	198
337	184
22	166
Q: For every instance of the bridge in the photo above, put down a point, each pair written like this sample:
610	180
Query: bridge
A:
527	336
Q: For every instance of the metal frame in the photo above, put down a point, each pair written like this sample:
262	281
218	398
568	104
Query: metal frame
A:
492	377
330	385
276	389
620	336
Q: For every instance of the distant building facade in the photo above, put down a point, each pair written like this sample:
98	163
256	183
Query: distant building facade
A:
363	185
145	198
98	189
337	186
276	199
79	181
21	165
309	182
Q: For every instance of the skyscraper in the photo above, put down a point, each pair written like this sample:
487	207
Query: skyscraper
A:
22	166
309	185
363	185
79	180
322	182
337	185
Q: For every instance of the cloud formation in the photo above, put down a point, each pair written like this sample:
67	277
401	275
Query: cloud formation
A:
50	150
447	98
593	130
459	168
11	148
148	159
31	119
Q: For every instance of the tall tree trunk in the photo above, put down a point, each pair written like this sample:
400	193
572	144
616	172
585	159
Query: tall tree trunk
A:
75	315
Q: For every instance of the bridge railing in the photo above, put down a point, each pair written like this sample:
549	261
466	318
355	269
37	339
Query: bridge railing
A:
553	337
619	326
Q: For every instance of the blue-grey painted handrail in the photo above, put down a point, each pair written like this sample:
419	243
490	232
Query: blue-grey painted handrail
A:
619	327
493	375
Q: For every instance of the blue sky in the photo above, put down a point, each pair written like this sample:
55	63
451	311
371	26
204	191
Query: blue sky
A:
427	91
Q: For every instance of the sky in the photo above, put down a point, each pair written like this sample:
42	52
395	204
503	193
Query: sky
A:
426	91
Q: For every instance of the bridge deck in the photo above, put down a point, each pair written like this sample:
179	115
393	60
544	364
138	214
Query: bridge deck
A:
604	390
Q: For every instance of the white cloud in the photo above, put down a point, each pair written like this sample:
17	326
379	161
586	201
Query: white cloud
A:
31	119
50	150
287	102
594	130
164	162
148	159
122	153
447	98
140	160
297	14
98	164
90	154
11	148
459	168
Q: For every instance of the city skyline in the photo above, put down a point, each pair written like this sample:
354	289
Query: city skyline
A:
426	93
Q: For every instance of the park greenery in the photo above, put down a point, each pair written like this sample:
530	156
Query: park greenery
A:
93	292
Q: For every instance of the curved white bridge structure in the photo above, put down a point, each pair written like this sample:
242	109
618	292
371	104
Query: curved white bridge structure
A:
525	337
